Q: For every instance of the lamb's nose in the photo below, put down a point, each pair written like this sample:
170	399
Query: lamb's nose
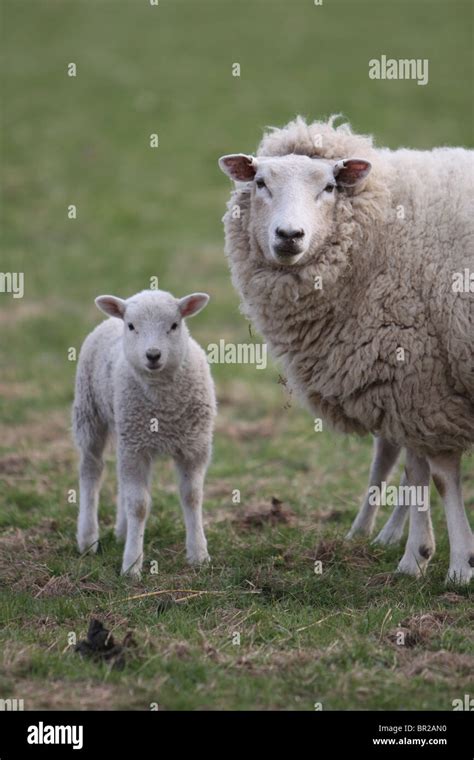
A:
153	354
289	234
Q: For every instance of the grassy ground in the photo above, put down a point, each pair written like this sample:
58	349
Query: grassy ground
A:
304	637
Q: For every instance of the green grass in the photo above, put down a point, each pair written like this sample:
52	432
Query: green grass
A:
304	638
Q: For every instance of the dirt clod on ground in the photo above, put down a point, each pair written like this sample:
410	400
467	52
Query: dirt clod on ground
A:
419	629
266	514
100	645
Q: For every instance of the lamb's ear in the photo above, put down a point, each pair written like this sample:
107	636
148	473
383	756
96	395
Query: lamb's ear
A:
111	305
192	304
350	171
239	166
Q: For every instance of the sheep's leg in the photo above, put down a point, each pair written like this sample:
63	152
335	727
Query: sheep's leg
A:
420	545
385	457
446	472
191	485
392	531
90	475
134	488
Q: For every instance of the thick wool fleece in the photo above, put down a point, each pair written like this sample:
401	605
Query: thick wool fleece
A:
110	396
387	273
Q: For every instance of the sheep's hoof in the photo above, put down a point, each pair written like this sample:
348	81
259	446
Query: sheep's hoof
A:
459	575
388	538
356	532
408	565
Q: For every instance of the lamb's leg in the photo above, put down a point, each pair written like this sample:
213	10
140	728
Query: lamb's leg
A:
191	484
90	475
420	545
446	472
121	517
385	457
134	489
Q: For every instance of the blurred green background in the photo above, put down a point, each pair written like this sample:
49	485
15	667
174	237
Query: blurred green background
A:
144	212
167	69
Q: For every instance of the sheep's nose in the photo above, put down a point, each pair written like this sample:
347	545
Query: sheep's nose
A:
289	234
153	354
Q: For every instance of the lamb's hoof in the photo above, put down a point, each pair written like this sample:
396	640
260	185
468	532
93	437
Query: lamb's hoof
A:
459	574
198	560
88	544
133	572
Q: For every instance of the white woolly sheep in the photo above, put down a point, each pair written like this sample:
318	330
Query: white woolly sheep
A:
348	260
142	378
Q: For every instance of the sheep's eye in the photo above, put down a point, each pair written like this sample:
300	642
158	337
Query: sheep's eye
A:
174	326
329	188
130	326
260	183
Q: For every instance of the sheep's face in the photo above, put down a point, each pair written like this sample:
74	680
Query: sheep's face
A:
293	200
155	335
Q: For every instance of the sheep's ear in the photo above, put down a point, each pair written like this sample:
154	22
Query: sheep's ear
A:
111	305
192	304
239	166
350	171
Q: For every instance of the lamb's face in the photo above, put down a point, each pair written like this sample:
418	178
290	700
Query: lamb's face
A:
155	335
292	200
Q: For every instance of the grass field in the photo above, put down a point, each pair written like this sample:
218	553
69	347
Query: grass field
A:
305	638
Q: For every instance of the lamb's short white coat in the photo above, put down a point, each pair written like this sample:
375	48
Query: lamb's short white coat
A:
143	380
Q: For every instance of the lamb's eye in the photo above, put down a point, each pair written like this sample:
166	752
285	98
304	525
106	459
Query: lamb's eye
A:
130	326
260	183
329	188
174	326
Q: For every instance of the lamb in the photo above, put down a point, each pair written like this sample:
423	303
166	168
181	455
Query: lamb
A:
348	260
143	379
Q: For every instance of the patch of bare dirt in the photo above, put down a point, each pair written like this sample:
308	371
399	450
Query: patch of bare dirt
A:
328	515
452	597
442	664
337	550
381	580
62	695
262	513
420	629
13	464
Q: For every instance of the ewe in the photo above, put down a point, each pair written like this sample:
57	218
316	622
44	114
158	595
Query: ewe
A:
345	258
142	378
